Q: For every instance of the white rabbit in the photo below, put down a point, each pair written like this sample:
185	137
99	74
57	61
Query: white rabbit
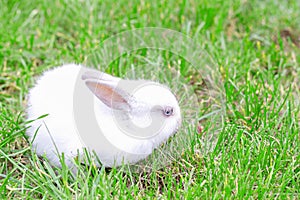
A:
119	120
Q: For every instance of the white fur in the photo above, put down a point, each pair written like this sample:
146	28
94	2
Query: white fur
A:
58	132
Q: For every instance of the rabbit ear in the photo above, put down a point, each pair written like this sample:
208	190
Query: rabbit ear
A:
110	96
96	75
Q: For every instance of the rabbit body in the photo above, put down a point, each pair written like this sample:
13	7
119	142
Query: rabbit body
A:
84	108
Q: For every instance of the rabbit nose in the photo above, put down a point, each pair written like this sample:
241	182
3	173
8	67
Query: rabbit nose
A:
179	122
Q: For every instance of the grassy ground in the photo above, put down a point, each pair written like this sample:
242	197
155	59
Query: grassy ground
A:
256	47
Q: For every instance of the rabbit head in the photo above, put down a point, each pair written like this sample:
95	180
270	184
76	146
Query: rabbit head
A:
142	109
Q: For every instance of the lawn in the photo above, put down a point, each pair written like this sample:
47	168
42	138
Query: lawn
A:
254	46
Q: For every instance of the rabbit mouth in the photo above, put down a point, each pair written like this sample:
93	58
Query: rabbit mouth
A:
178	125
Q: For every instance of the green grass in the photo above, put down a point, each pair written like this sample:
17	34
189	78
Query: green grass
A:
256	47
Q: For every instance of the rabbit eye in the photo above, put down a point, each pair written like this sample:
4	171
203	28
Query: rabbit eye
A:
168	111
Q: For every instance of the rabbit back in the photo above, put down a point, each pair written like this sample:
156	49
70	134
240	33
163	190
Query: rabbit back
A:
53	96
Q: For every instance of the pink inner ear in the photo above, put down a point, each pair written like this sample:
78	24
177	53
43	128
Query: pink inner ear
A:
108	95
